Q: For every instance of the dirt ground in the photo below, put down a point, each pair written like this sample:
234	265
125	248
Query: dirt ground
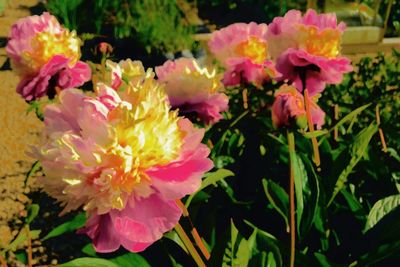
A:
19	131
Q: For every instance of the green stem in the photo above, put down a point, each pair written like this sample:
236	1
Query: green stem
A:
291	144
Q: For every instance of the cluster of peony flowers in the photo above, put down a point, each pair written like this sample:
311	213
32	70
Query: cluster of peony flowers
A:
123	152
45	55
123	156
303	51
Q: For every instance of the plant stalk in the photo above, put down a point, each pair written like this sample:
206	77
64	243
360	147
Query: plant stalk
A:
291	145
381	135
192	250
29	252
195	234
3	261
314	141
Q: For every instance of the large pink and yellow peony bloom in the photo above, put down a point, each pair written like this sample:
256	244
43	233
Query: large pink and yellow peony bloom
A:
307	48
243	50
45	55
192	88
124	157
289	105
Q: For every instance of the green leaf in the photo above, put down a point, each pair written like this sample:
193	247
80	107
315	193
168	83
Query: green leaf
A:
211	179
89	262
278	198
77	222
300	179
354	205
382	252
267	242
21	256
244	252
380	209
393	153
238	250
173	236
21	238
271	260
130	260
33	211
311	196
350	116
88	249
35	167
315	134
358	149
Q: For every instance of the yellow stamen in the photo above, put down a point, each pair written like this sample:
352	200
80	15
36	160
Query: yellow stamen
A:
254	48
324	43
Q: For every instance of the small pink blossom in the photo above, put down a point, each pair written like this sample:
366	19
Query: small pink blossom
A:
192	88
289	105
308	47
45	55
243	50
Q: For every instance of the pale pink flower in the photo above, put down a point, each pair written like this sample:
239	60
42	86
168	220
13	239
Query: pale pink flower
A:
45	55
289	106
308	47
243	50
125	158
192	88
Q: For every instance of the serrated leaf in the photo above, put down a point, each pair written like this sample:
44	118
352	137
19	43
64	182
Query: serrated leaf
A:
77	222
244	251
358	149
350	116
89	262
380	209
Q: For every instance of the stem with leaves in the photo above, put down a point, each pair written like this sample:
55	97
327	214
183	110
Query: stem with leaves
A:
292	155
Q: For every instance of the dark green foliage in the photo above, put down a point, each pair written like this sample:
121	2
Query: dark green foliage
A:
157	24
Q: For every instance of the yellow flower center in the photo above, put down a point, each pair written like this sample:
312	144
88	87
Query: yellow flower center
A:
45	45
147	135
325	43
254	48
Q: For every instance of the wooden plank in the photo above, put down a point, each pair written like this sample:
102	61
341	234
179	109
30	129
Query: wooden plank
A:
385	46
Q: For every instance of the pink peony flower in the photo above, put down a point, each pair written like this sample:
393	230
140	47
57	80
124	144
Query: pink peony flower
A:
45	55
193	89
123	156
289	104
243	51
308	47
